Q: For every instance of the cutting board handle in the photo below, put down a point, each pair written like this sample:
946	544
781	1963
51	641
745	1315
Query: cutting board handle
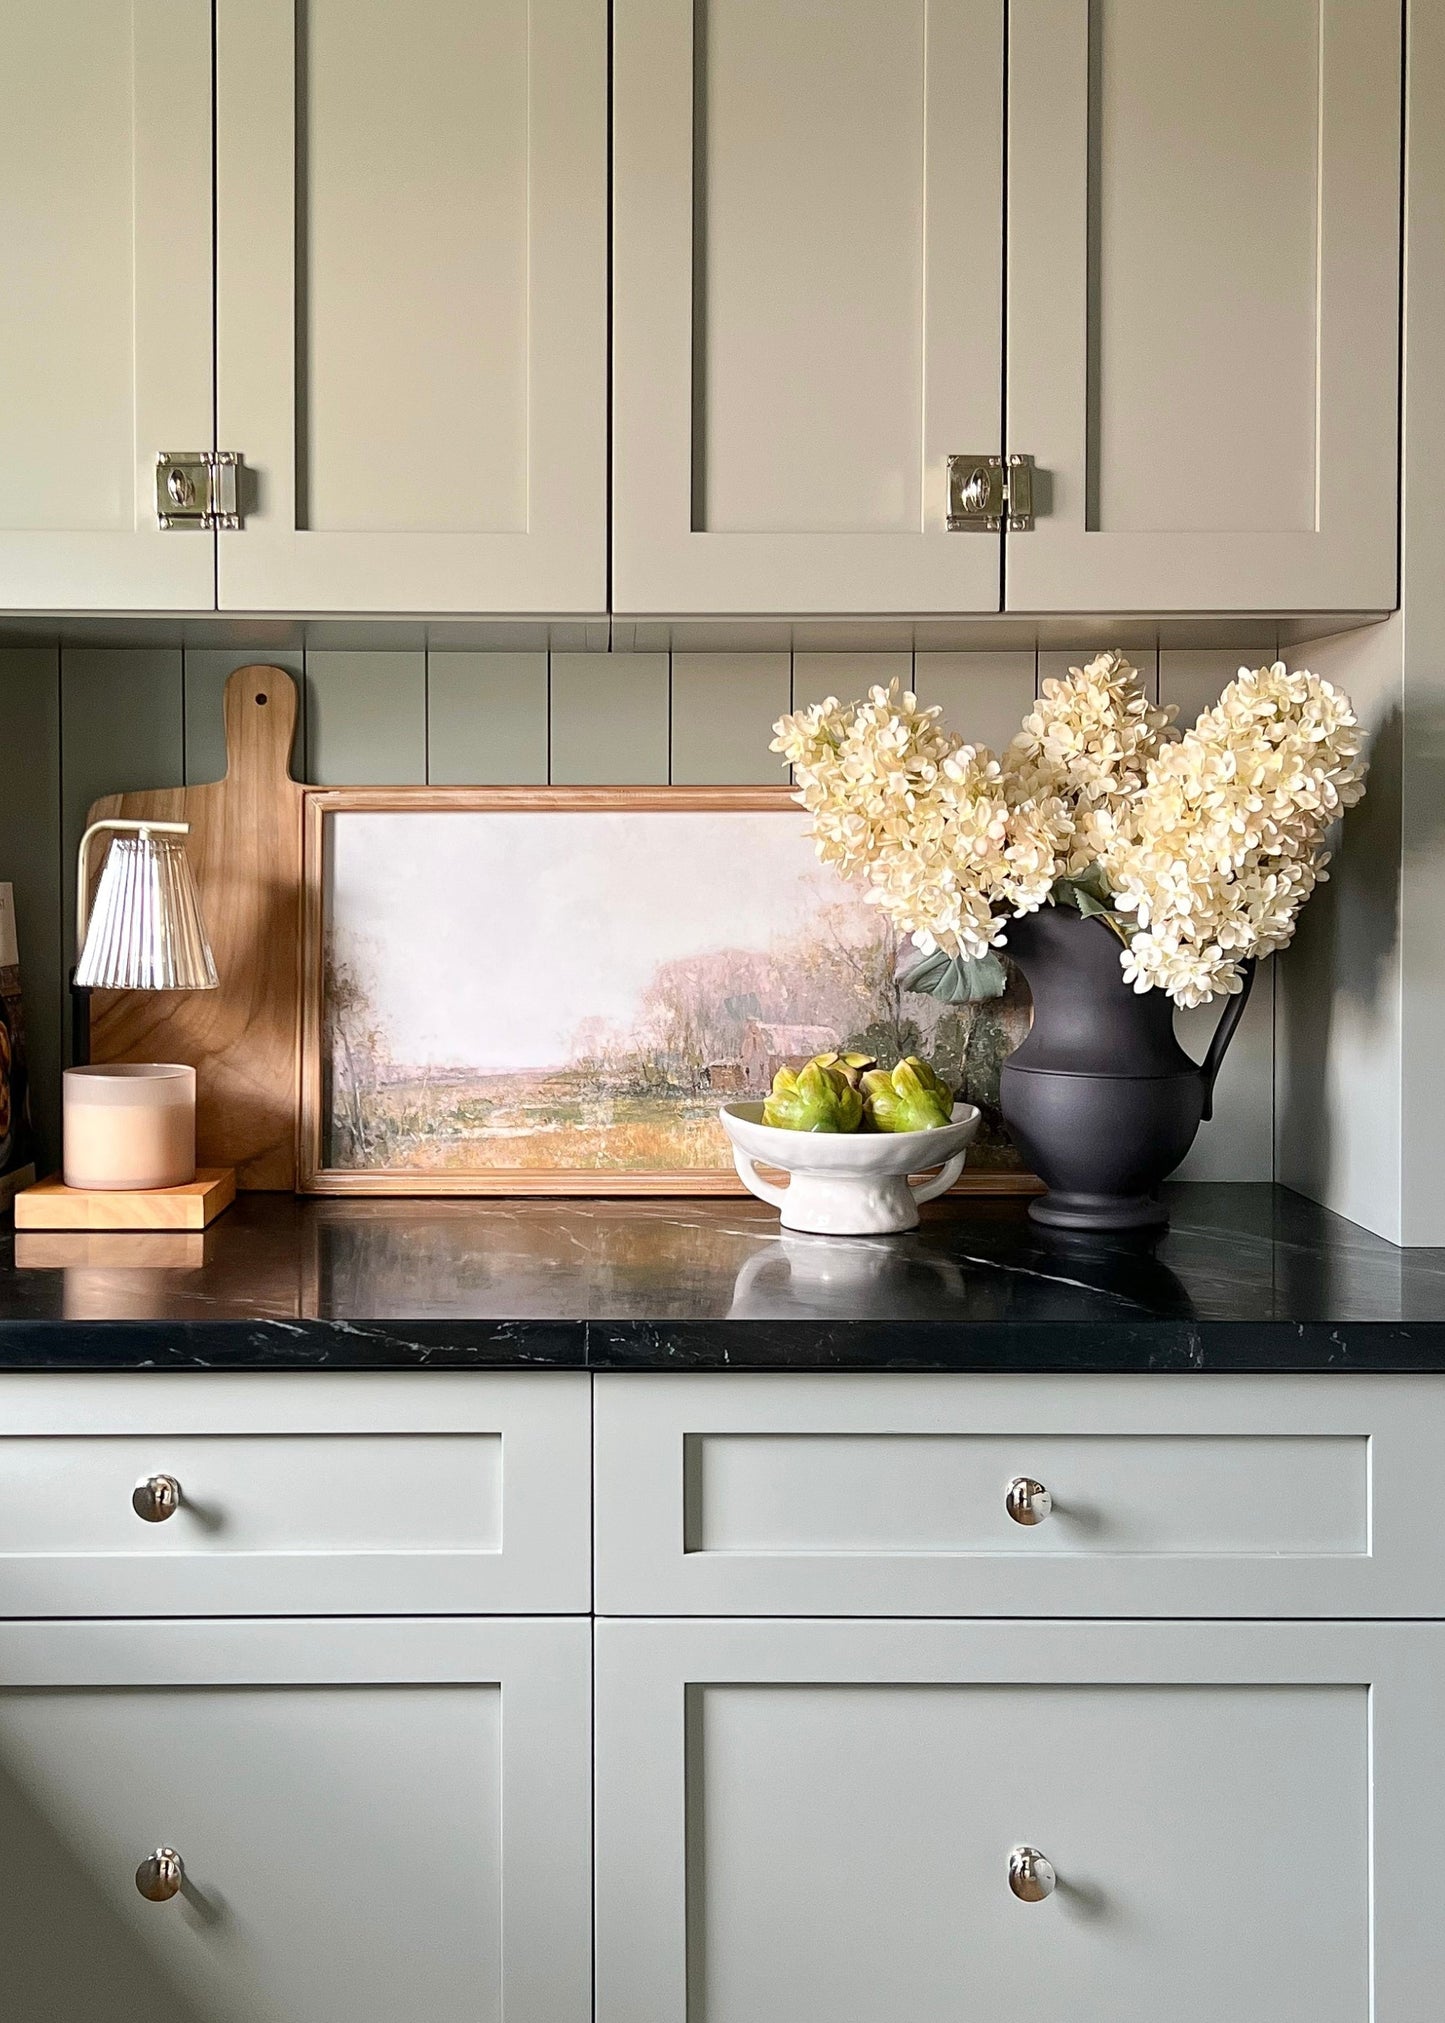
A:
260	710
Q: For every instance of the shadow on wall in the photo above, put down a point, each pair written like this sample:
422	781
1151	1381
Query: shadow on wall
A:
68	1953
1341	955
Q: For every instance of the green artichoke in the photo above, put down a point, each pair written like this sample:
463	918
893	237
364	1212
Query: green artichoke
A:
910	1098
850	1066
816	1098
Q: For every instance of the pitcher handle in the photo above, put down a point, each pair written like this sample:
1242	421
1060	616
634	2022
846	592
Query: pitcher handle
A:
1223	1033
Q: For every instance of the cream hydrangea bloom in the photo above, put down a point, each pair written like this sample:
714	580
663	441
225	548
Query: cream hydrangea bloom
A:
1088	741
1222	845
922	817
1208	844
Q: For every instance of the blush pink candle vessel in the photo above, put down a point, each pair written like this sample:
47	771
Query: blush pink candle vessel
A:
130	1126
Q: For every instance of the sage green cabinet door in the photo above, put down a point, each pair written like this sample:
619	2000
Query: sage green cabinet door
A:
105	299
817	1819
412	303
1204	207
808	238
374	1822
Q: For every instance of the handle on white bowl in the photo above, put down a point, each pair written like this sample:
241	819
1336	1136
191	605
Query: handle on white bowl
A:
755	1183
943	1179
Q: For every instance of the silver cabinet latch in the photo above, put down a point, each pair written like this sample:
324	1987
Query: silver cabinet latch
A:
986	493
199	488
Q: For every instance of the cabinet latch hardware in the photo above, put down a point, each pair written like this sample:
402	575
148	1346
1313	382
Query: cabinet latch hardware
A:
986	493
199	488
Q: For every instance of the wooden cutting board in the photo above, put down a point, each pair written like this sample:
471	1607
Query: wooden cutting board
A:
245	851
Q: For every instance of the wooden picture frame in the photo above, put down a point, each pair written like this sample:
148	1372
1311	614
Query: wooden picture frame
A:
318	1174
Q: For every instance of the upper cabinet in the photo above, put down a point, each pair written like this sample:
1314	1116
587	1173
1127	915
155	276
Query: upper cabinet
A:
1203	303
1199	235
105	298
873	263
412	303
807	300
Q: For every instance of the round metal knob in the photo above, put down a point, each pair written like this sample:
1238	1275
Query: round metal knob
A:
160	1876
156	1497
1031	1875
180	489
1026	1501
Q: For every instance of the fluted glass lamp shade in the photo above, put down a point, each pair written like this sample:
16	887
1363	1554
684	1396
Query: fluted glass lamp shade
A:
145	930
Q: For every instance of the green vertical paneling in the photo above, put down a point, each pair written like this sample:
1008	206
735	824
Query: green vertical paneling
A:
1194	681
724	706
846	675
609	719
30	860
85	722
486	719
365	719
984	696
207	671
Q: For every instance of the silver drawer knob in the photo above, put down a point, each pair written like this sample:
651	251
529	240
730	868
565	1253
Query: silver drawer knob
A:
1031	1875
156	1497
1026	1501
160	1876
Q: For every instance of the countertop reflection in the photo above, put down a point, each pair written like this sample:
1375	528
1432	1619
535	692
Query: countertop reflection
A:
1246	1277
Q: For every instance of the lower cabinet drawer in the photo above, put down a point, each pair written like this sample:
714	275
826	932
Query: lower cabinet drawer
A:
829	1819
371	1822
309	1494
1160	1495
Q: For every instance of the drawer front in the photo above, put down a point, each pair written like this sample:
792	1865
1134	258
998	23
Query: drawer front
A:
884	1495
374	1821
1240	1823
299	1494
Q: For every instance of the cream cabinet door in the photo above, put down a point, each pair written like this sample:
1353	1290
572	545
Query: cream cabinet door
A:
1203	207
373	1822
105	299
412	303
817	1819
808	249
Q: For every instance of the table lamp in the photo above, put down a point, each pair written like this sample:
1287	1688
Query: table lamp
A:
144	931
130	1127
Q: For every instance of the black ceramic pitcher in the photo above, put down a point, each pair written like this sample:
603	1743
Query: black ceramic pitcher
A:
1101	1099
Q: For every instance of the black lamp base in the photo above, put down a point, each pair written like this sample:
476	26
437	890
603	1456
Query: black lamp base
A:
79	1024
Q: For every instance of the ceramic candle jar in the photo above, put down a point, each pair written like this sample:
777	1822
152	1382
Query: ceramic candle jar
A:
130	1126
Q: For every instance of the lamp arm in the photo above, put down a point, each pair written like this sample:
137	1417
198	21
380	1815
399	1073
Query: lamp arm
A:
108	825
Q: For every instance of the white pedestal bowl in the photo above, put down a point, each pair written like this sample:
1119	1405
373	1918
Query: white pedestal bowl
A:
856	1183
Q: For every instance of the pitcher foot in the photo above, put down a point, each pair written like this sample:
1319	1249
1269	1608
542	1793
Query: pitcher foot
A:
1058	1210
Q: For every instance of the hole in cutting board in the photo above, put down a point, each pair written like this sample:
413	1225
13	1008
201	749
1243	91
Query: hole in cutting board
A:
260	698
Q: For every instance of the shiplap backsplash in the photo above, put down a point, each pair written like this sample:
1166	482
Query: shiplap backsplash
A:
79	722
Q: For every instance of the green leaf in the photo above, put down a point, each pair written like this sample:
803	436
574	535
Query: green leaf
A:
1086	891
1089	895
956	979
1088	905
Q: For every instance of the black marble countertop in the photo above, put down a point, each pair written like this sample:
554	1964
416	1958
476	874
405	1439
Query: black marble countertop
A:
1246	1278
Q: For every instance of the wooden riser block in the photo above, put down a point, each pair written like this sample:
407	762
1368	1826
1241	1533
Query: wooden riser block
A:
108	1250
52	1205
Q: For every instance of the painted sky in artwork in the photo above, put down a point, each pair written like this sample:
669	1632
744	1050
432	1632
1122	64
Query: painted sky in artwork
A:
483	938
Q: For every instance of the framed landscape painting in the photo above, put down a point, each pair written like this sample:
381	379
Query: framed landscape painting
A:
551	990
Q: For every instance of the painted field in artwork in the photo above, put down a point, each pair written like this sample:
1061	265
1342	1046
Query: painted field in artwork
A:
525	990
